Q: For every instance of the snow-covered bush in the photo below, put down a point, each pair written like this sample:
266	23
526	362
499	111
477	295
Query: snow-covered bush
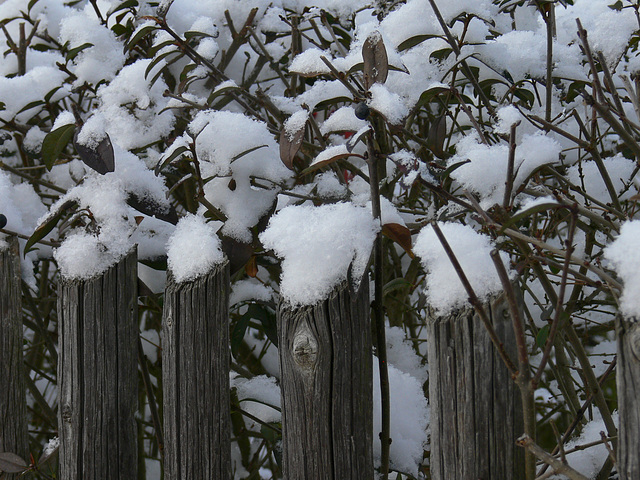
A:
258	127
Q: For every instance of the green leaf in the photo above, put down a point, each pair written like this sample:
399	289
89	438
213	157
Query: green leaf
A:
118	29
157	60
237	334
178	152
543	334
140	34
429	94
31	105
122	6
73	53
395	284
195	34
415	40
525	96
55	142
246	152
453	167
217	92
541	207
271	434
51	221
156	48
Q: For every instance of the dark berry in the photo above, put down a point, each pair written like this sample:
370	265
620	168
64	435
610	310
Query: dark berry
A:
3	220
362	111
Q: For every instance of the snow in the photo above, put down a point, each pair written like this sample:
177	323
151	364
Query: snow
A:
193	249
131	107
317	245
343	119
409	419
295	123
250	289
444	289
329	153
309	63
31	87
485	174
260	397
588	461
223	136
508	116
388	103
101	61
50	447
624	255
587	176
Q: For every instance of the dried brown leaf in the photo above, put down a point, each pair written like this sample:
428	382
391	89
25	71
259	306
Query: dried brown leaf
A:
376	63
289	146
399	234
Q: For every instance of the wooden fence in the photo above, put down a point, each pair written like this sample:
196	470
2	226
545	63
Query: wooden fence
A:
326	383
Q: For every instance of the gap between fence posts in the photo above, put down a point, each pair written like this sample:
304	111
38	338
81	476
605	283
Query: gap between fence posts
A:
628	386
13	402
98	374
476	409
195	376
326	384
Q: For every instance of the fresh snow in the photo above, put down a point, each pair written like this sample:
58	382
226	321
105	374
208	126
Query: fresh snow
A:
444	289
317	246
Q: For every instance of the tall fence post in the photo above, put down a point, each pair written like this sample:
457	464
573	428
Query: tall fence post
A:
326	384
476	409
98	374
195	376
628	386
13	406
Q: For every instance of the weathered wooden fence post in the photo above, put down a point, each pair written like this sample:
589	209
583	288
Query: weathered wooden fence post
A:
326	383
98	374
628	386
476	410
13	402
195	377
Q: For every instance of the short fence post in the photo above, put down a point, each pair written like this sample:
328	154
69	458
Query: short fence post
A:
13	406
195	377
98	374
476	409
326	383
628	386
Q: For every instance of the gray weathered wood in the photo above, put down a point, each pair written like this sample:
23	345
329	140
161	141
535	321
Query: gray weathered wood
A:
628	386
476	411
195	377
326	383
98	374
13	406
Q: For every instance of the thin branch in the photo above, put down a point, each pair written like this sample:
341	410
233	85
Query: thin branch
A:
558	467
560	300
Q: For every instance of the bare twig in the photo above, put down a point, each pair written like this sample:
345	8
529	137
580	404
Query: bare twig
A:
508	184
558	467
559	302
378	313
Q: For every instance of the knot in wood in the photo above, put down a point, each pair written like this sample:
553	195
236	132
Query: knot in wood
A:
305	348
169	322
66	414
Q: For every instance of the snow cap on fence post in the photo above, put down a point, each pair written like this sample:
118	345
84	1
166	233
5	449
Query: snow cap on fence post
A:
444	289
317	245
193	249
